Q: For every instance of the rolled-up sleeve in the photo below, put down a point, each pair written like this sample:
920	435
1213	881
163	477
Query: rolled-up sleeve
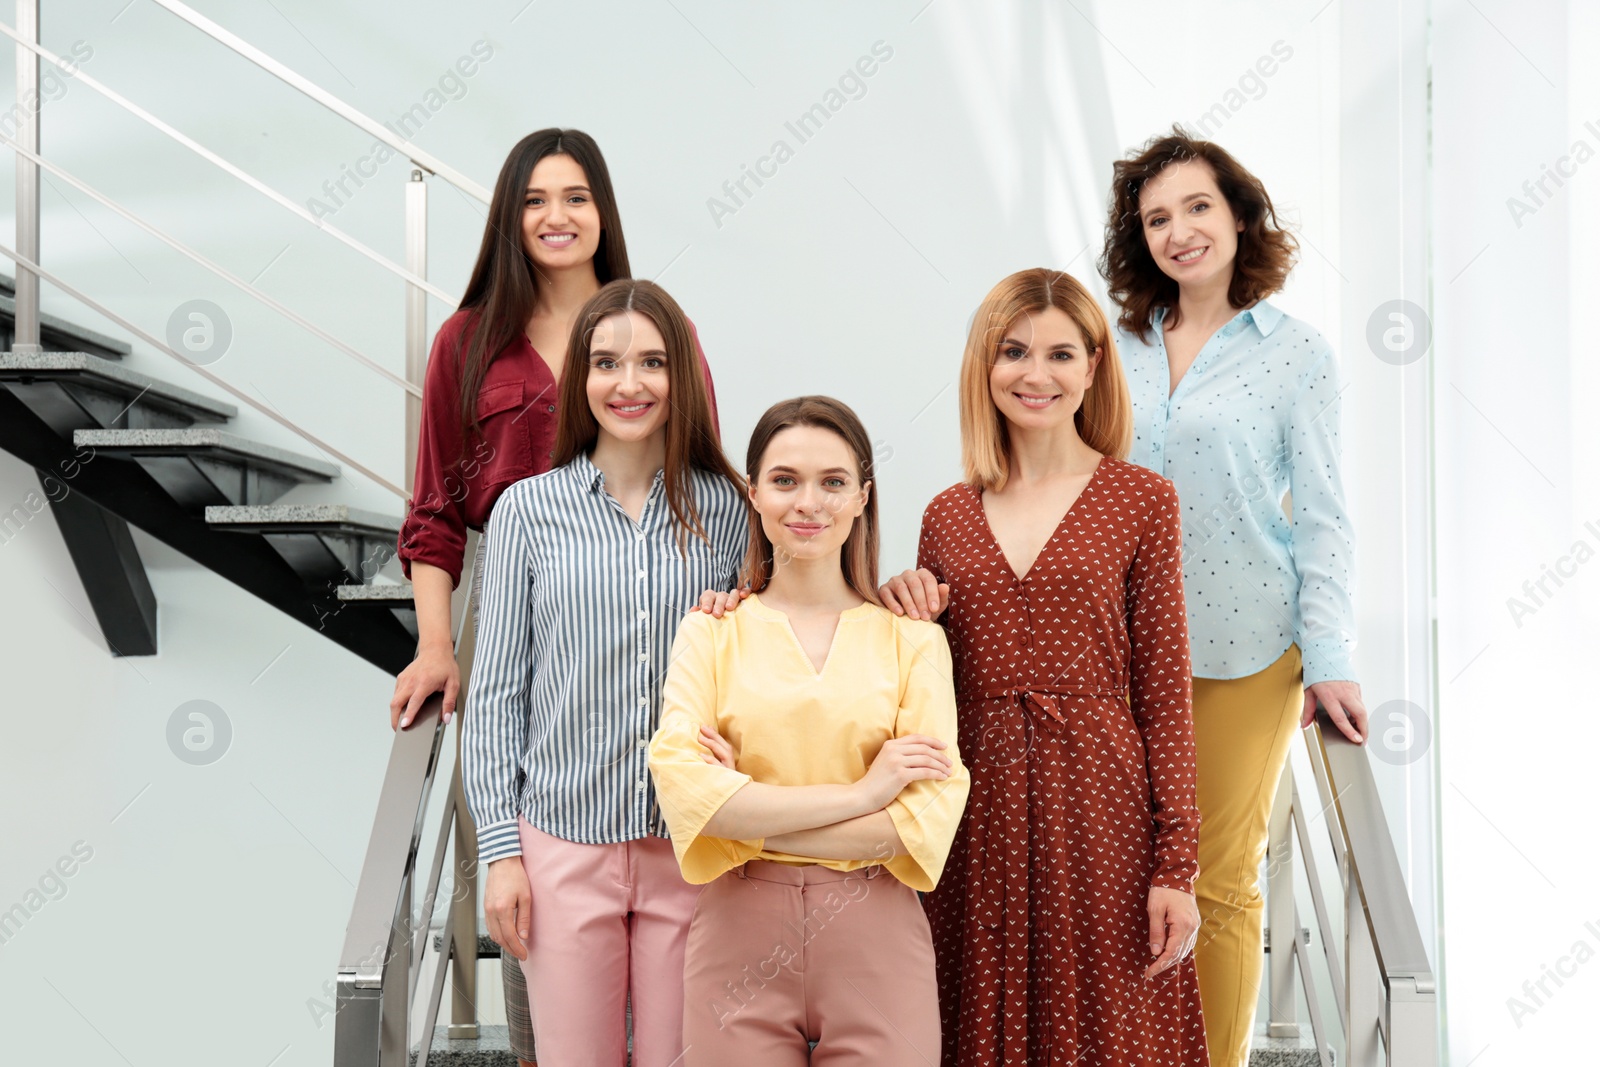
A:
435	527
927	812
689	789
1322	538
495	725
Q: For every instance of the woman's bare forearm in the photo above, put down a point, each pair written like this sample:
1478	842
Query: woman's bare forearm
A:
431	589
759	810
866	837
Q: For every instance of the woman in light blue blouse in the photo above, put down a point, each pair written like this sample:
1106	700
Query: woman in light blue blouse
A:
1238	404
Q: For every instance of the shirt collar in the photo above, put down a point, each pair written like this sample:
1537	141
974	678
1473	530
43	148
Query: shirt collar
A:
588	475
1263	315
593	479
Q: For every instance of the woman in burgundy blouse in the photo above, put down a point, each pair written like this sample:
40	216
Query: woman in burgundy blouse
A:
553	238
1065	920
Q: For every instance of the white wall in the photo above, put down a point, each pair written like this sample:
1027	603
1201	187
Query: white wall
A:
1514	88
213	907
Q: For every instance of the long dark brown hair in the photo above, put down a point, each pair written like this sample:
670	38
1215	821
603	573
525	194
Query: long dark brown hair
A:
859	558
504	282
1266	250
692	439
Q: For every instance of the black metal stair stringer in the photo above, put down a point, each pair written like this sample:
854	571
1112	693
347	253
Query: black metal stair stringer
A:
125	490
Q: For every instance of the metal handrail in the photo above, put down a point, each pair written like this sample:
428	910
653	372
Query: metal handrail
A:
417	155
373	987
1374	864
79	76
1384	990
215	268
381	964
155	342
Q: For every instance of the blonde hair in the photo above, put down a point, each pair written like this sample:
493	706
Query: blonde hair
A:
1105	418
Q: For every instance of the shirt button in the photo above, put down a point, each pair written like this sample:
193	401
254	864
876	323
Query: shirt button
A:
640	786
641	574
643	656
643	614
643	742
644	702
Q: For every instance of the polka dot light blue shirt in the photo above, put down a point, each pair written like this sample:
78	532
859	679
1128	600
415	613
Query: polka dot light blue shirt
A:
1255	416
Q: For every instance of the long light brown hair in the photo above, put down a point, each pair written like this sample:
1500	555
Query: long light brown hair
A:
504	285
1105	418
859	557
691	434
1139	286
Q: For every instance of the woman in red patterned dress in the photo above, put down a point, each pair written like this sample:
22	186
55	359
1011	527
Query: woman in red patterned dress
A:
1066	917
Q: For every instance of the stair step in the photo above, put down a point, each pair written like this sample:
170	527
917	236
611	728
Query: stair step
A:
491	1048
385	594
79	391
201	467
56	334
487	949
393	597
322	542
1284	1051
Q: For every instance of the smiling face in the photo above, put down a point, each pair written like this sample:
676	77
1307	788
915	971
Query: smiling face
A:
560	223
1042	367
627	378
1189	228
808	493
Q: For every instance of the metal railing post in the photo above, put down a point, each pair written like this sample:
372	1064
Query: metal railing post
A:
416	240
1413	1024
26	335
394	1039
1363	980
1284	930
464	903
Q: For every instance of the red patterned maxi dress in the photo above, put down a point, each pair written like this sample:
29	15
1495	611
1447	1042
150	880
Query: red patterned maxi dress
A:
1075	721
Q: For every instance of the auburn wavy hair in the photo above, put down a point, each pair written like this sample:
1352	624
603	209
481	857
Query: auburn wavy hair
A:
1104	419
1266	250
692	439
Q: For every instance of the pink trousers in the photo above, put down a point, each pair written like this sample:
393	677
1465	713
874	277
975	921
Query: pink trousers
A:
782	956
608	921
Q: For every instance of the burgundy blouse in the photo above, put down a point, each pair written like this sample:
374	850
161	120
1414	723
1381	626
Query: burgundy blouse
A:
456	485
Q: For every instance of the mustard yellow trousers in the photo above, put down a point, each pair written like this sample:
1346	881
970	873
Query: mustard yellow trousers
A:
1242	730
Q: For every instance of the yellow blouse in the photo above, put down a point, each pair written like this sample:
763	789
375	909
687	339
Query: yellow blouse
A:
747	675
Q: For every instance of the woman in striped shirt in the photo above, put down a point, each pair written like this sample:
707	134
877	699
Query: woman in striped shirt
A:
588	569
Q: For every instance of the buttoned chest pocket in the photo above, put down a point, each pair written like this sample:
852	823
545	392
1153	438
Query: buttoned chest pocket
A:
505	452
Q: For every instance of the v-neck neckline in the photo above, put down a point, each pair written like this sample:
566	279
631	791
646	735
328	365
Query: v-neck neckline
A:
994	540
794	637
1188	372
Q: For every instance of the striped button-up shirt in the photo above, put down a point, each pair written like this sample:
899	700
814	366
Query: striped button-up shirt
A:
579	607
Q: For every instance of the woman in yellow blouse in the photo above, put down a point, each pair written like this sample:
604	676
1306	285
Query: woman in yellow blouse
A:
807	768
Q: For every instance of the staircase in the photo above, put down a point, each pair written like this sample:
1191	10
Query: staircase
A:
156	456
